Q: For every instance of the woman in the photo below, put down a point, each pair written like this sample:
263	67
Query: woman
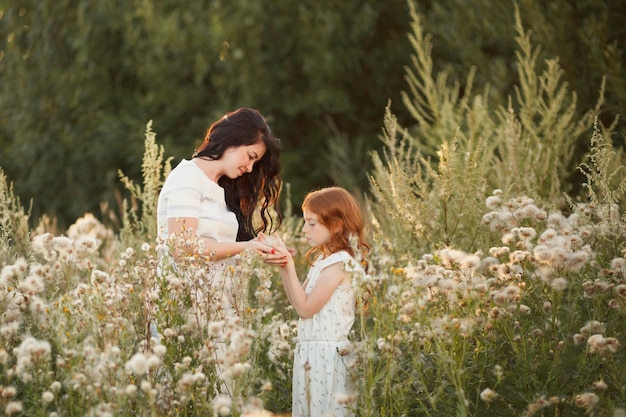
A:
231	180
234	172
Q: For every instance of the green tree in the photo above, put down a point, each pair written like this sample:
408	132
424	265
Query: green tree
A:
81	79
323	72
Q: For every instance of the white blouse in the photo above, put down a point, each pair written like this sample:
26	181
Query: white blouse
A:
188	192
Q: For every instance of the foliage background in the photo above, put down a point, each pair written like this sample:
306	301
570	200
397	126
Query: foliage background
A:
80	79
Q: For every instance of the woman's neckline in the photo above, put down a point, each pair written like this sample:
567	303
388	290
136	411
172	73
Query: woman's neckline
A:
203	167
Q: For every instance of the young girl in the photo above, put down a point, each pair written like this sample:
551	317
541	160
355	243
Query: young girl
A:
325	302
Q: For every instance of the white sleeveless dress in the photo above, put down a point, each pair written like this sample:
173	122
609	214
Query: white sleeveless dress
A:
320	373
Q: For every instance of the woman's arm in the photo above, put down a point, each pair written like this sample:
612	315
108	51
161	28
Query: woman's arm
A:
216	250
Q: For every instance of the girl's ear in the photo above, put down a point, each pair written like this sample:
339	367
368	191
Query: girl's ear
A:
336	228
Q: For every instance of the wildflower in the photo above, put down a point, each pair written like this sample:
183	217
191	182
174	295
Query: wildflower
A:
586	400
138	364
600	385
85	244
42	244
618	264
33	349
588	288
451	257
146	386
215	327
576	260
186	381
10	329
493	202
499	251
543	254
131	390
488	395
33	284
508	294
13	407
600	344
64	247
602	286
519	256
557	221
470	262
541	402
593	326
531	211
498	372
408	308
11	273
494	313
620	290
153	361
240	368
47	396
498	220
159	350
447	284
9	392
221	405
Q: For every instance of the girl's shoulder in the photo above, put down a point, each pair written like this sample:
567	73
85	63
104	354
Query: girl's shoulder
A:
336	257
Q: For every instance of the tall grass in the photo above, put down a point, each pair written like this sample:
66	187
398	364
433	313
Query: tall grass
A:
490	290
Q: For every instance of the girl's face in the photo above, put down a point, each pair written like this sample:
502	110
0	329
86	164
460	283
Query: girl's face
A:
240	160
316	234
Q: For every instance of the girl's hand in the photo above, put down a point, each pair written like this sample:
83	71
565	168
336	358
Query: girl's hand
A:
275	241
279	254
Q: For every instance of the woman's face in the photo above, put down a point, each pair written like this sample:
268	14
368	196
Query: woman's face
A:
316	233
240	160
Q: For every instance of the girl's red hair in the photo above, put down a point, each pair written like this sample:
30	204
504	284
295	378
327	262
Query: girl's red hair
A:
338	211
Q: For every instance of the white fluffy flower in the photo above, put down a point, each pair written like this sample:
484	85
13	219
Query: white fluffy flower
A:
138	364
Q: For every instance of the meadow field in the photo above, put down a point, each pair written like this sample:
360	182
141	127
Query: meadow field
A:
492	288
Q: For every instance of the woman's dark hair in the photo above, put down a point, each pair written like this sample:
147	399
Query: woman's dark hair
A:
261	187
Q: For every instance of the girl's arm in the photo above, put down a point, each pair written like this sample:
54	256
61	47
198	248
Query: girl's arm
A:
308	305
216	250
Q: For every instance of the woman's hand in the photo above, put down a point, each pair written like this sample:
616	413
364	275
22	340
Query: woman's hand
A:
258	246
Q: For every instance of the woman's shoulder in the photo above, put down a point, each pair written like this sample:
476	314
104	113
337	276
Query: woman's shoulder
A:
188	172
185	167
